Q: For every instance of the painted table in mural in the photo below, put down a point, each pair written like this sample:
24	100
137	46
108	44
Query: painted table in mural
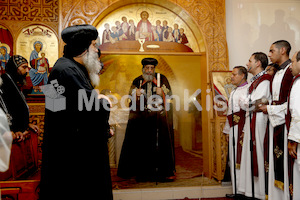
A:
148	46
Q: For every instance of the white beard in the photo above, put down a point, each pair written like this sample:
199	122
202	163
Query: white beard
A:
93	66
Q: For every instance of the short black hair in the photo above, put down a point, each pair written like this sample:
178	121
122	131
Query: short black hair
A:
283	44
262	57
276	66
242	70
298	56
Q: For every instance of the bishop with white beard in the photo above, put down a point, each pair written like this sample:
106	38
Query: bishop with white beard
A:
75	162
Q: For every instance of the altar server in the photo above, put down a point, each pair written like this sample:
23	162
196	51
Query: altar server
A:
293	126
234	126
255	128
277	163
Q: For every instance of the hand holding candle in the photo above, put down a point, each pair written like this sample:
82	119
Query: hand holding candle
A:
158	89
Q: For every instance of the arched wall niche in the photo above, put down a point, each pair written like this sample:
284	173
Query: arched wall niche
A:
156	12
206	18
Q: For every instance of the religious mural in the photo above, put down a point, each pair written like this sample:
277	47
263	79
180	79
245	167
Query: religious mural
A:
221	82
6	47
39	45
149	28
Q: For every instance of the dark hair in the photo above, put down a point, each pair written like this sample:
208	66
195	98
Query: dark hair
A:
12	66
275	67
99	52
262	57
298	56
242	70
283	44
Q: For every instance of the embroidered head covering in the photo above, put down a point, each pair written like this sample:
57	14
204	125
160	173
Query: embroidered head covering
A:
12	68
19	60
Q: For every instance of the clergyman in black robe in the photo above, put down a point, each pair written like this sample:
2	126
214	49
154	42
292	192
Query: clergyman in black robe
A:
12	100
148	148
75	161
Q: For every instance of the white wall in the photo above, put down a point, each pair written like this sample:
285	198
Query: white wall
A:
253	25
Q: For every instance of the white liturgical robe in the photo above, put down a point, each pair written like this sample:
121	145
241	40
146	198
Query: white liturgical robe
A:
276	115
235	105
5	142
294	133
261	91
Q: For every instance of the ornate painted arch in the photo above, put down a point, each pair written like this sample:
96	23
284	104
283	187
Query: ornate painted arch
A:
208	15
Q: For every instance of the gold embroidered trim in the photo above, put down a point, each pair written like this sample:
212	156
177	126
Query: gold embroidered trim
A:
236	119
266	166
279	184
241	142
291	189
278	151
165	89
238	166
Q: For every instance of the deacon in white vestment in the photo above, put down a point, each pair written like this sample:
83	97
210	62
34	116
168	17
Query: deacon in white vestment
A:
235	122
258	93
277	167
293	124
5	135
5	142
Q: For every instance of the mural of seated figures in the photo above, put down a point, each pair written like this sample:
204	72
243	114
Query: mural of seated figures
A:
39	45
147	28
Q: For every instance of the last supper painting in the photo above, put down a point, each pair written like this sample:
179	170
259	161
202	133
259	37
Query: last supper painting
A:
146	28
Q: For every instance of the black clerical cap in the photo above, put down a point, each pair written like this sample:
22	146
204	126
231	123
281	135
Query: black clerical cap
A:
18	60
78	38
149	61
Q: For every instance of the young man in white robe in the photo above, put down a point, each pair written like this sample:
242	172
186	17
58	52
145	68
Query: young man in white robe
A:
255	127
278	187
235	123
293	124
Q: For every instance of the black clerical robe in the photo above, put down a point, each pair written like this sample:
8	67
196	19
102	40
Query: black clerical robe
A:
14	104
75	162
148	148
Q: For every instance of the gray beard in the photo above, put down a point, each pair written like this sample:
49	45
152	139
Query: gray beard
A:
148	77
93	66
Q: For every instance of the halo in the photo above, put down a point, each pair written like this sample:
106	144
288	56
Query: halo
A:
40	53
140	10
38	39
124	15
7	47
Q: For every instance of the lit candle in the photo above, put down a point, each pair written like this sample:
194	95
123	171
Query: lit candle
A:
158	80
